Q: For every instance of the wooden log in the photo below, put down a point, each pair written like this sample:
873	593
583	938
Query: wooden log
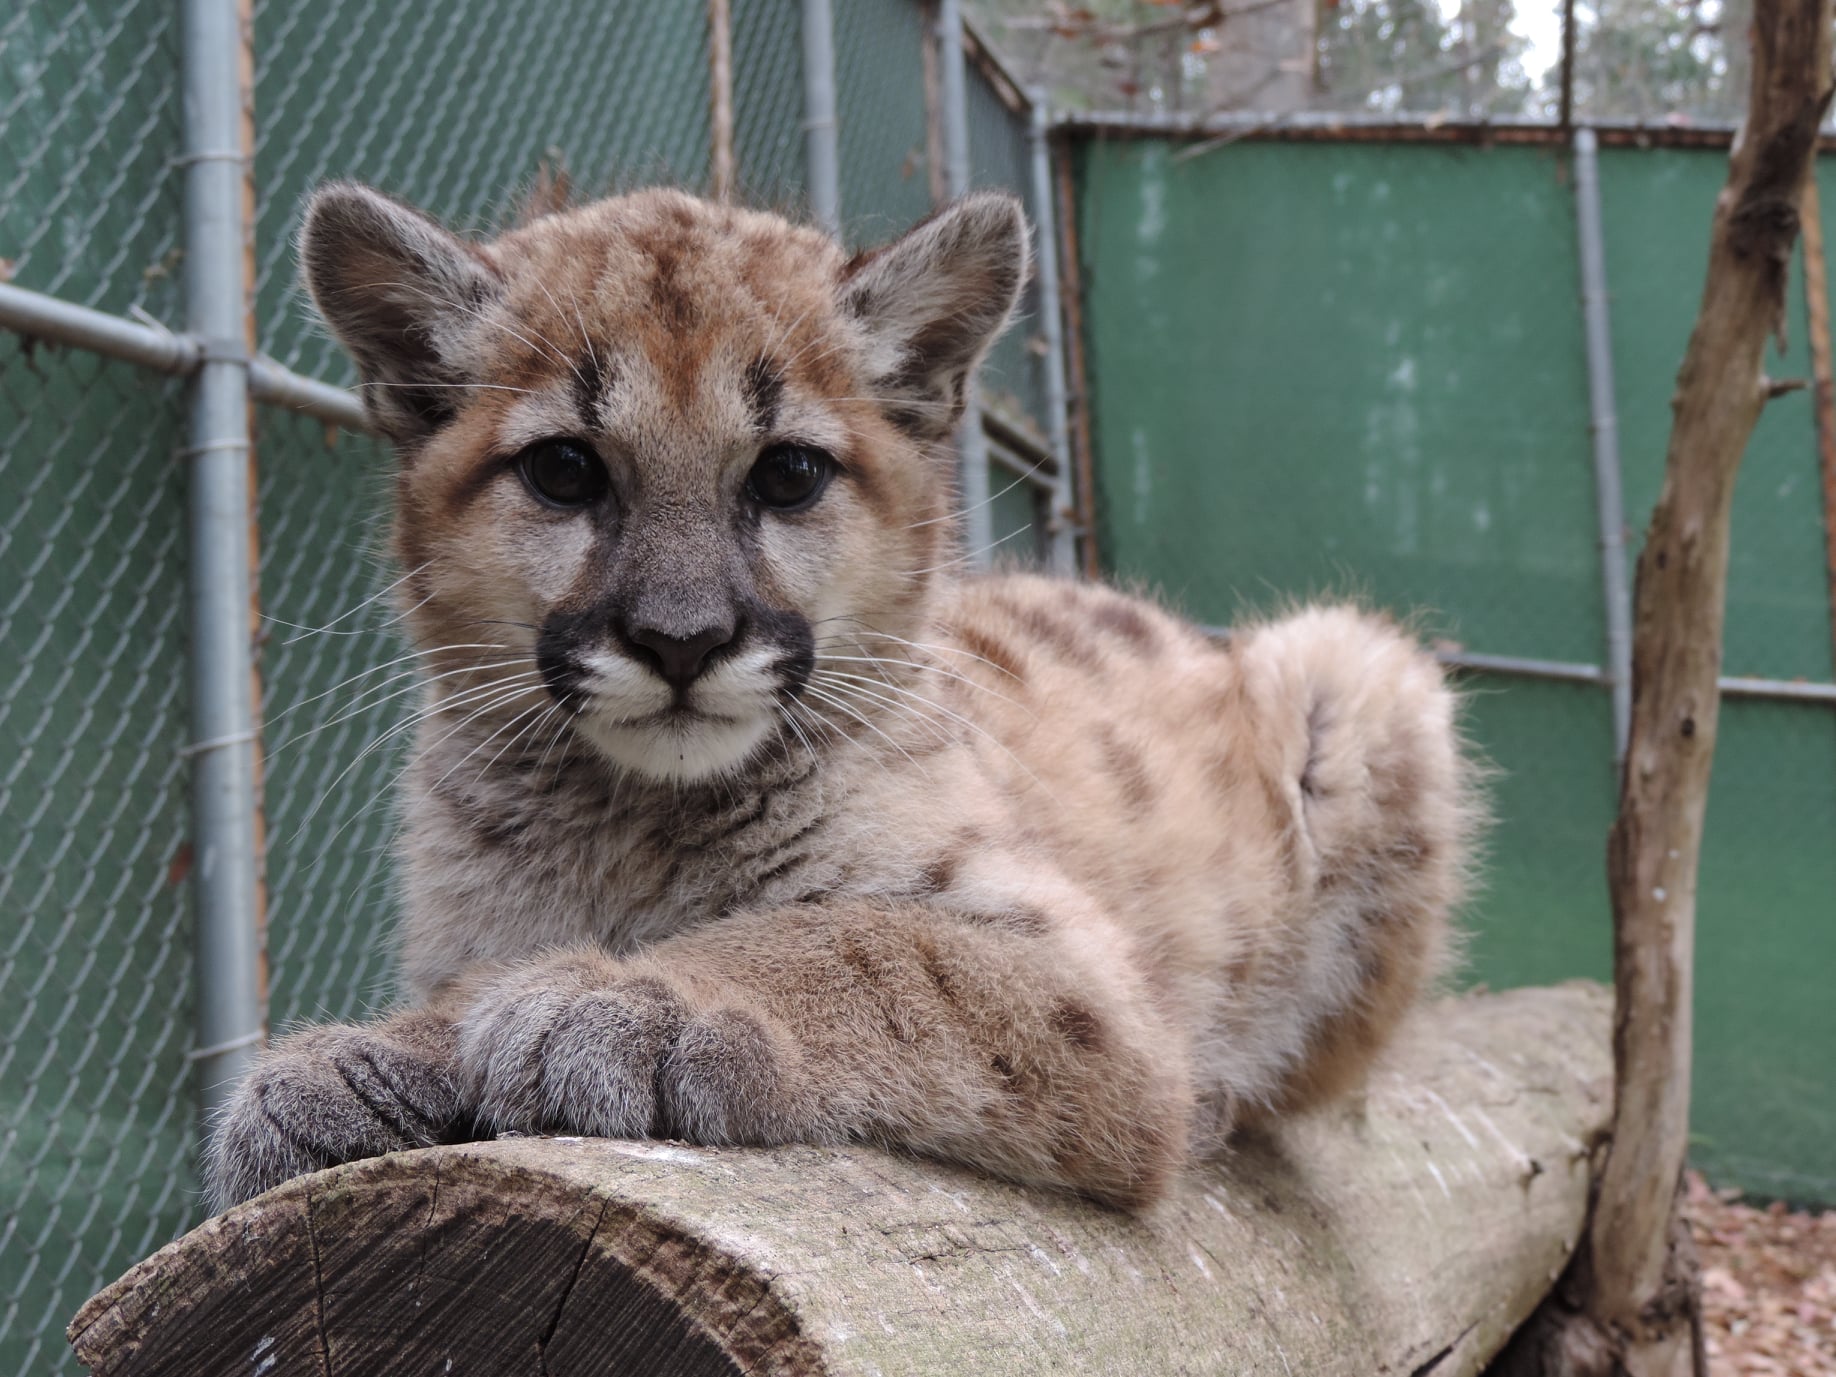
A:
1405	1233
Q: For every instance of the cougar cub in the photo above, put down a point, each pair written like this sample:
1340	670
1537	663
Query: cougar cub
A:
738	814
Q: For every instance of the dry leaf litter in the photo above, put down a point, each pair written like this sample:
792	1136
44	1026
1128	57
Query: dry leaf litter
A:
1768	1286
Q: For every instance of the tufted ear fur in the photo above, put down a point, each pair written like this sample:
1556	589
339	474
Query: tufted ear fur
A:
932	302
400	293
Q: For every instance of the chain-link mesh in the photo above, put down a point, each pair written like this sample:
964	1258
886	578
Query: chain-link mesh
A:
457	109
768	106
95	969
879	91
96	1106
1000	155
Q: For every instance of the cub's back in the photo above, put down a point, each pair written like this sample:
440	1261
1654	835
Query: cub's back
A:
1120	736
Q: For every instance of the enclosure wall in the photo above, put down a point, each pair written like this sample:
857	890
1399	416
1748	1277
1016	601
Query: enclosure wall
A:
1356	368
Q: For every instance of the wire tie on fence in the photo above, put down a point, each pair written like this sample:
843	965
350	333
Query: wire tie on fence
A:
234	1044
193	451
140	313
223	350
211	155
216	743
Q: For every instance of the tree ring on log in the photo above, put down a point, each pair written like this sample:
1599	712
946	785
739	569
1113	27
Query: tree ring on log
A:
428	1262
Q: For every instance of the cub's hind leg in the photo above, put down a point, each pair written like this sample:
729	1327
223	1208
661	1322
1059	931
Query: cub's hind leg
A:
1355	738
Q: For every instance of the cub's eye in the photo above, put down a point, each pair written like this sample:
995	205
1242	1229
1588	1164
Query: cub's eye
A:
788	478
562	473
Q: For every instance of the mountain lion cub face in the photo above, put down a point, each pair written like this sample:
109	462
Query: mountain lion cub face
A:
662	446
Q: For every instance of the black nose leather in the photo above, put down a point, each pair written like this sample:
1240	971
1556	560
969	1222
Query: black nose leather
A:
679	658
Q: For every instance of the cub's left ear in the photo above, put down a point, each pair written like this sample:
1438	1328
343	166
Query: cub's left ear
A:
933	301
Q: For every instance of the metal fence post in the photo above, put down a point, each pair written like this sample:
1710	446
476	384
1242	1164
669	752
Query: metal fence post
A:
1063	530
971	443
224	868
822	164
1604	424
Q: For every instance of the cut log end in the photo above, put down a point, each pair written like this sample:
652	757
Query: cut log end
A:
1417	1226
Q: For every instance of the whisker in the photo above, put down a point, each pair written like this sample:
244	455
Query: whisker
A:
379	593
990	500
377	669
340	829
969	723
923	645
842	706
852	685
454	387
359	706
415	719
964	679
966	557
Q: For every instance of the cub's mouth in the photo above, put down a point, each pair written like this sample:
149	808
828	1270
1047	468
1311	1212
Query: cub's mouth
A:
676	707
676	744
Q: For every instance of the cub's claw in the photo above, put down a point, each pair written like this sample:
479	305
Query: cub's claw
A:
330	1095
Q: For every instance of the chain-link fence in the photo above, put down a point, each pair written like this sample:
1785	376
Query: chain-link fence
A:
457	108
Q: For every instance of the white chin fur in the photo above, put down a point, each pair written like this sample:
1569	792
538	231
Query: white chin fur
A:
696	750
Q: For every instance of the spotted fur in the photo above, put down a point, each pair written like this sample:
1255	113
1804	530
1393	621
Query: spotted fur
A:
745	825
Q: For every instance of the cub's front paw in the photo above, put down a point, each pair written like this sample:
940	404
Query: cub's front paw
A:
577	1045
334	1094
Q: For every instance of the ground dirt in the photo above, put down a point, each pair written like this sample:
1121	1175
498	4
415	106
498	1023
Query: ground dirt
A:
1768	1286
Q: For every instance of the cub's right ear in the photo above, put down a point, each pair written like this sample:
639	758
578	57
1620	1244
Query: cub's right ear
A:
402	294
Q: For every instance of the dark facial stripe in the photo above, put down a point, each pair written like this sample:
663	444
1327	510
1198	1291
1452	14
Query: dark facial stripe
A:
764	389
590	381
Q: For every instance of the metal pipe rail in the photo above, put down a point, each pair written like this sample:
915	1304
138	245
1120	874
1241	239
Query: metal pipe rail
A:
1603	422
151	345
226	883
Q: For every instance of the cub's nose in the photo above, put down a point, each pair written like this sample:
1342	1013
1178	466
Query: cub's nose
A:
678	658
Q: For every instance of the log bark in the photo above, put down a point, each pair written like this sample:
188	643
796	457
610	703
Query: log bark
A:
1406	1233
1632	1305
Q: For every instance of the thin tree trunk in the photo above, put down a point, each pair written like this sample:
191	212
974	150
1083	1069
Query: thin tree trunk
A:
1631	1303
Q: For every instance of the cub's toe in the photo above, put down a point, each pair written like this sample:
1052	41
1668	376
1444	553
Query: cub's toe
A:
327	1096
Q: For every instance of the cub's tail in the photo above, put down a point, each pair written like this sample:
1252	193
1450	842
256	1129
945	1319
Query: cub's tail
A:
1379	808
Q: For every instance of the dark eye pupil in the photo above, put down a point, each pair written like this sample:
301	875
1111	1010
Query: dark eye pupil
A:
563	473
789	476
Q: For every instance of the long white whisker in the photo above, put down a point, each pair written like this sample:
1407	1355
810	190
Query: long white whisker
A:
988	501
969	723
841	705
448	772
454	387
923	645
351	612
572	366
472	717
966	556
378	669
415	719
365	702
859	693
822	655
